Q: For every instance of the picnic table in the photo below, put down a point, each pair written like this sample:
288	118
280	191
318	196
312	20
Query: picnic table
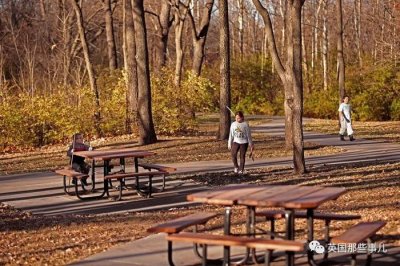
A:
106	156
289	197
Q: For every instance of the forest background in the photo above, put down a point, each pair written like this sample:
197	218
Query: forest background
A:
45	93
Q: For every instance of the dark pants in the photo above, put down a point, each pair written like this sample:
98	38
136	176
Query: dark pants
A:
235	149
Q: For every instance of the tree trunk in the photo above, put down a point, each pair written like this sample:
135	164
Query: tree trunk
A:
180	13
111	47
200	36
162	40
89	67
225	75
340	56
297	75
290	75
130	67
147	134
325	45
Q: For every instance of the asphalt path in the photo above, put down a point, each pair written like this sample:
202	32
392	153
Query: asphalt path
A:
42	193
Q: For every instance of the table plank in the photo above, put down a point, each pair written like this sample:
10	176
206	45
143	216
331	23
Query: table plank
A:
256	199
313	200
203	196
114	153
230	197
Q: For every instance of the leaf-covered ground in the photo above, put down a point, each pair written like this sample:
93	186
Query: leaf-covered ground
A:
373	192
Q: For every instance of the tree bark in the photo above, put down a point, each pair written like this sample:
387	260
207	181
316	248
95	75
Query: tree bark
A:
290	75
147	134
180	12
340	56
111	47
89	66
200	36
225	75
297	76
325	45
130	67
162	40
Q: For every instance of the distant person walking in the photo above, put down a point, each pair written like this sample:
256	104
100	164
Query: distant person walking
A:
345	119
239	140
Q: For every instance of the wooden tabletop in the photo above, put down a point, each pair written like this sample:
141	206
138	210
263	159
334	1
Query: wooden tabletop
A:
114	153
286	196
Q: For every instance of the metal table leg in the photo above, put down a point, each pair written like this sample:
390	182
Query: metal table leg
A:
289	215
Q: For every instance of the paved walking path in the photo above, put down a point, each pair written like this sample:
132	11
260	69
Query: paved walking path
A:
41	193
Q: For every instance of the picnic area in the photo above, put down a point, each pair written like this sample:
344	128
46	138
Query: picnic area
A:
63	229
200	132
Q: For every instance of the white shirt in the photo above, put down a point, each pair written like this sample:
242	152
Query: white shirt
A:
239	133
345	108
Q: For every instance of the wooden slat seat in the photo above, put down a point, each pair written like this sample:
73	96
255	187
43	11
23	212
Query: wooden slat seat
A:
359	232
163	168
166	169
279	214
179	224
71	173
272	215
228	240
121	177
118	176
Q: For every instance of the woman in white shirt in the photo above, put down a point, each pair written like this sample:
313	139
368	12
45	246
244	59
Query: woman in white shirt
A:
345	119
239	140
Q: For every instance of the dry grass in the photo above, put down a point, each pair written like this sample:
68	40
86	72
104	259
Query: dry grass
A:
373	192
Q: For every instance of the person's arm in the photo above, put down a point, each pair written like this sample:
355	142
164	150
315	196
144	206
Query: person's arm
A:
70	151
230	140
249	138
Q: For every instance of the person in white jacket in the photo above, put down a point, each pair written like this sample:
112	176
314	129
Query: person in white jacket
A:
239	140
345	119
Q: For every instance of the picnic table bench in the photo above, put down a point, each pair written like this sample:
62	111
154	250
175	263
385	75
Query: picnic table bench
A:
359	233
166	169
229	241
121	177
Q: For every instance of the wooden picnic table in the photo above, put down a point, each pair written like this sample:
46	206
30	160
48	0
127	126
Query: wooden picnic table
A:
289	197
107	155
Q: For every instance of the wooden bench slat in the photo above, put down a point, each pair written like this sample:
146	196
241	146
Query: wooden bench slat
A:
157	167
359	232
177	225
229	240
126	175
279	214
71	173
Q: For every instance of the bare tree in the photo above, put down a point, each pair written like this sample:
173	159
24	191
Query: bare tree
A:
180	12
200	36
225	74
162	41
111	47
325	44
340	56
147	134
290	75
89	66
130	67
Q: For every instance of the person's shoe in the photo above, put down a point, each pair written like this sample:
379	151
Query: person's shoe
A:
351	138
240	172
342	137
84	181
235	170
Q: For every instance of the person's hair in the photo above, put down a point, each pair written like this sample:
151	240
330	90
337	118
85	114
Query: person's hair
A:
345	96
239	113
76	135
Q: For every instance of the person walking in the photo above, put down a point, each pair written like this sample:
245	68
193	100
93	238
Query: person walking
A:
239	140
345	119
